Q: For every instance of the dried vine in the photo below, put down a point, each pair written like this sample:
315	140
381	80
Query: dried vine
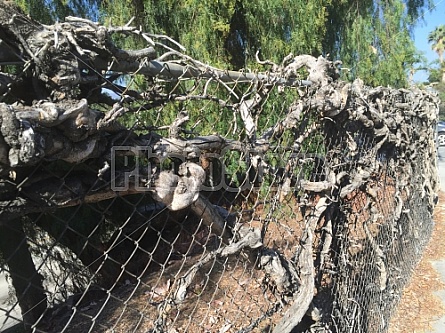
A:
58	120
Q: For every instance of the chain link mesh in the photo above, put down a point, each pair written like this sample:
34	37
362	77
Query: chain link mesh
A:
178	197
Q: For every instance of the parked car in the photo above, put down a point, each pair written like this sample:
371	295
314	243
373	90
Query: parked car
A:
441	133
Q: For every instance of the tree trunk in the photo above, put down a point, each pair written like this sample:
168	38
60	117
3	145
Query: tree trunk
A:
26	280
86	251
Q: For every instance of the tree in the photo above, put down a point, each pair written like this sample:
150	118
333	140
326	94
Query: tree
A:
230	32
373	39
48	12
437	39
435	79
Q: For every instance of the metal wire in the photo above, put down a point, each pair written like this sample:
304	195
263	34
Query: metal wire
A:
289	178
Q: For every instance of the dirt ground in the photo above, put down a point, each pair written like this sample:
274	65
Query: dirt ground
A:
419	306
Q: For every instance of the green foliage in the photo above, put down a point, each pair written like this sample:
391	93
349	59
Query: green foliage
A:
437	40
48	12
439	87
373	39
277	28
435	74
228	33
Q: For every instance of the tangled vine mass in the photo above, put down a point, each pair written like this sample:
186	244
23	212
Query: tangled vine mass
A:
145	191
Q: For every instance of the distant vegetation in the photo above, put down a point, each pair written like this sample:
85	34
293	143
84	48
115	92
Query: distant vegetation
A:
437	71
372	38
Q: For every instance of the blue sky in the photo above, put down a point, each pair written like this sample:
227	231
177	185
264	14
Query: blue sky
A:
431	20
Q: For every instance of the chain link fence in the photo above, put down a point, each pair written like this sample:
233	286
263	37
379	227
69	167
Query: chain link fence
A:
144	191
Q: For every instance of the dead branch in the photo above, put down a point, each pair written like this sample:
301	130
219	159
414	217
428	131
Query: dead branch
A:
56	111
303	297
